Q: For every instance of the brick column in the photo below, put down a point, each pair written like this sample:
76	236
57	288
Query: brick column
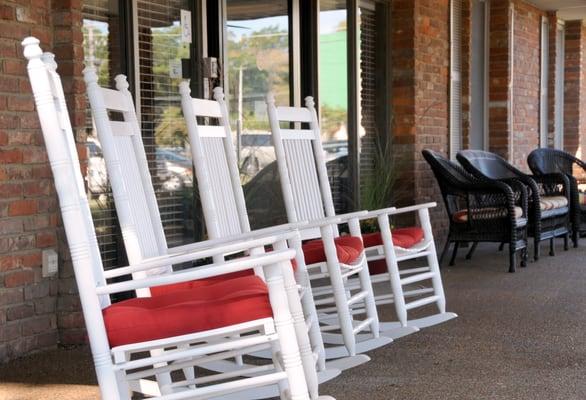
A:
498	107
28	217
526	81
420	94
68	48
575	88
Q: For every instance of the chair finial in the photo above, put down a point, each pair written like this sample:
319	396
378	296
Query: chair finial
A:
219	93
184	88
89	74
309	103
32	48
271	98
121	82
49	60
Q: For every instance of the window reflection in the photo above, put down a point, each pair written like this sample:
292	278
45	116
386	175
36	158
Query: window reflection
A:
257	61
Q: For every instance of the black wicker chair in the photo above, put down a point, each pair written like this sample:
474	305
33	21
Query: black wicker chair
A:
547	161
548	195
481	210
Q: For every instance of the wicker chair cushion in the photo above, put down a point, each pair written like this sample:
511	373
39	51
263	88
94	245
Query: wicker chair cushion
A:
461	216
553	202
348	249
182	312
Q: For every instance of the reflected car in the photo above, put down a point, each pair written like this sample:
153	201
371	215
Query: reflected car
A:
174	168
264	198
257	151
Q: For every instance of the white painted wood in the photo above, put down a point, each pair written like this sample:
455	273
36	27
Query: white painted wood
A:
212	131
126	161
307	195
114	100
121	128
225	214
206	108
293	114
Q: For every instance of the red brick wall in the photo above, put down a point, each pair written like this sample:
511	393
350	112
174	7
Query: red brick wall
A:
420	94
498	111
68	48
526	82
575	88
29	217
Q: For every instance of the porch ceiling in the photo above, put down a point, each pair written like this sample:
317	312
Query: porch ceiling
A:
566	9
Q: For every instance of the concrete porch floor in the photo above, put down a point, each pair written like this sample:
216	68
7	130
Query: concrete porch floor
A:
519	336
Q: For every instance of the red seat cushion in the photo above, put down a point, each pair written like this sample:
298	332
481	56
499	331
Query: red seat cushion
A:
348	249
182	312
166	289
402	237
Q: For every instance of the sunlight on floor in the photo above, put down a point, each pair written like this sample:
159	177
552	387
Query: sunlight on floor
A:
27	391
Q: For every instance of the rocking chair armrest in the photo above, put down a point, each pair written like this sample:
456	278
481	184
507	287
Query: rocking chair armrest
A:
292	226
236	246
377	213
415	207
283	228
202	272
352	215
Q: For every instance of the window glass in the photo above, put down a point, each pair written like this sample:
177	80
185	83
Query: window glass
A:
333	97
102	48
257	61
161	51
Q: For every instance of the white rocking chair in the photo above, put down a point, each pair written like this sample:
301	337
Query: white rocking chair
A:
307	195
219	181
225	213
180	330
126	161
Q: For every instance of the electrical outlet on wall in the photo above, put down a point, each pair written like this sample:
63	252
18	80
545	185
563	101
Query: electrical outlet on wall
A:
50	263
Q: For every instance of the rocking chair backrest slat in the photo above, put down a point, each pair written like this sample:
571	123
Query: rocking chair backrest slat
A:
85	256
128	171
304	179
216	167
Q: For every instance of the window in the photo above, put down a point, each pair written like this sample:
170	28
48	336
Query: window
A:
559	87
257	59
479	75
455	77
104	48
161	49
544	82
153	32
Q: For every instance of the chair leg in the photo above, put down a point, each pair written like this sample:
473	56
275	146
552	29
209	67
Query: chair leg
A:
444	250
289	348
536	249
512	258
501	246
566	241
552	246
296	310
576	236
454	253
471	251
524	257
